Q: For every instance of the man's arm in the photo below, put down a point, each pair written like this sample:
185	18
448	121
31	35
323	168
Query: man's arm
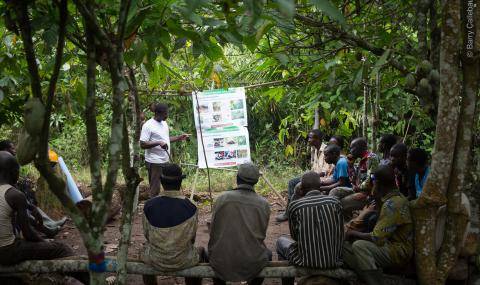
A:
150	144
18	202
342	181
351	234
179	138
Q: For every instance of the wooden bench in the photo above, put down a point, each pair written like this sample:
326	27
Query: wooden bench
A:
275	269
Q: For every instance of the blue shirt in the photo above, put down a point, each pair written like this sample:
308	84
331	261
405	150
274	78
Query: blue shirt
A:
341	170
420	183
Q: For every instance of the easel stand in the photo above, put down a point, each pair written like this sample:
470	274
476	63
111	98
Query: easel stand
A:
262	174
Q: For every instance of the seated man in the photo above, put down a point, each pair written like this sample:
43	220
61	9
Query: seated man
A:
386	142
13	205
398	156
356	197
318	164
417	162
170	226
38	218
339	177
316	228
236	249
390	244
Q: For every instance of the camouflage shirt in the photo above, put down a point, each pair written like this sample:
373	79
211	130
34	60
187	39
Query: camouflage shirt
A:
394	228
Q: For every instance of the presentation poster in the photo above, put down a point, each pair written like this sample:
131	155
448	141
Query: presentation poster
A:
223	117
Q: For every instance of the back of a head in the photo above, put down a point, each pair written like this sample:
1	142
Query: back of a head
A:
318	134
340	141
248	173
171	177
5	145
333	149
310	181
385	176
399	149
9	167
418	156
387	141
160	108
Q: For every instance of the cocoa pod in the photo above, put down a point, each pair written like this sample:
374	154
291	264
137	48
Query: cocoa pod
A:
423	69
424	88
410	81
434	77
27	148
34	116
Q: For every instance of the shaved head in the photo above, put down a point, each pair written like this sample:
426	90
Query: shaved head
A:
9	168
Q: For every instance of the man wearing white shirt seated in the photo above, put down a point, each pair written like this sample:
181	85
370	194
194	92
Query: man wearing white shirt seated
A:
155	139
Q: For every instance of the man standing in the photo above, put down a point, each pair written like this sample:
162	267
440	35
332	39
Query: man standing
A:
390	244
316	228
13	204
170	226
236	249
318	164
155	139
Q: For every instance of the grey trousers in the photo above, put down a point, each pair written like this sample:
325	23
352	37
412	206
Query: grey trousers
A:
365	255
154	174
349	203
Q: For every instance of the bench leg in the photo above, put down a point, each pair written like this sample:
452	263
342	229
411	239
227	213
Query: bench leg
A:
149	279
288	281
193	281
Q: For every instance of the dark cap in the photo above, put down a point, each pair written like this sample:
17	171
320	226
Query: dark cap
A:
248	172
171	173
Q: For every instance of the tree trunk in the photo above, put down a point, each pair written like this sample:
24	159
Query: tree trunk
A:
457	218
435	188
422	10
365	110
375	111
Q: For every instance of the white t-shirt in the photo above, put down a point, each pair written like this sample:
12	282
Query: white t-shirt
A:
153	130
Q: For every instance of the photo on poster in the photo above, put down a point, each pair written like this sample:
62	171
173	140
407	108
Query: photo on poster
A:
218	142
238	114
236	104
204	108
217	106
242	153
217	118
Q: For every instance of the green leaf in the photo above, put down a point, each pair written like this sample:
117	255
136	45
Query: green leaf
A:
325	105
328	8
358	77
289	150
264	28
286	7
380	63
282	58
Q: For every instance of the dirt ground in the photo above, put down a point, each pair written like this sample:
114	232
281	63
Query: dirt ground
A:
70	236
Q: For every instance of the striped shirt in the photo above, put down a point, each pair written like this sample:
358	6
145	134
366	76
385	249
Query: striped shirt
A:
316	226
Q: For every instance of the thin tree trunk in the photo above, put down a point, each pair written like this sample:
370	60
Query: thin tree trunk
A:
457	218
422	10
435	188
365	111
132	179
375	111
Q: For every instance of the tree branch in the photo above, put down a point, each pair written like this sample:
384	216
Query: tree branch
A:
26	33
91	114
62	9
122	22
92	20
351	39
